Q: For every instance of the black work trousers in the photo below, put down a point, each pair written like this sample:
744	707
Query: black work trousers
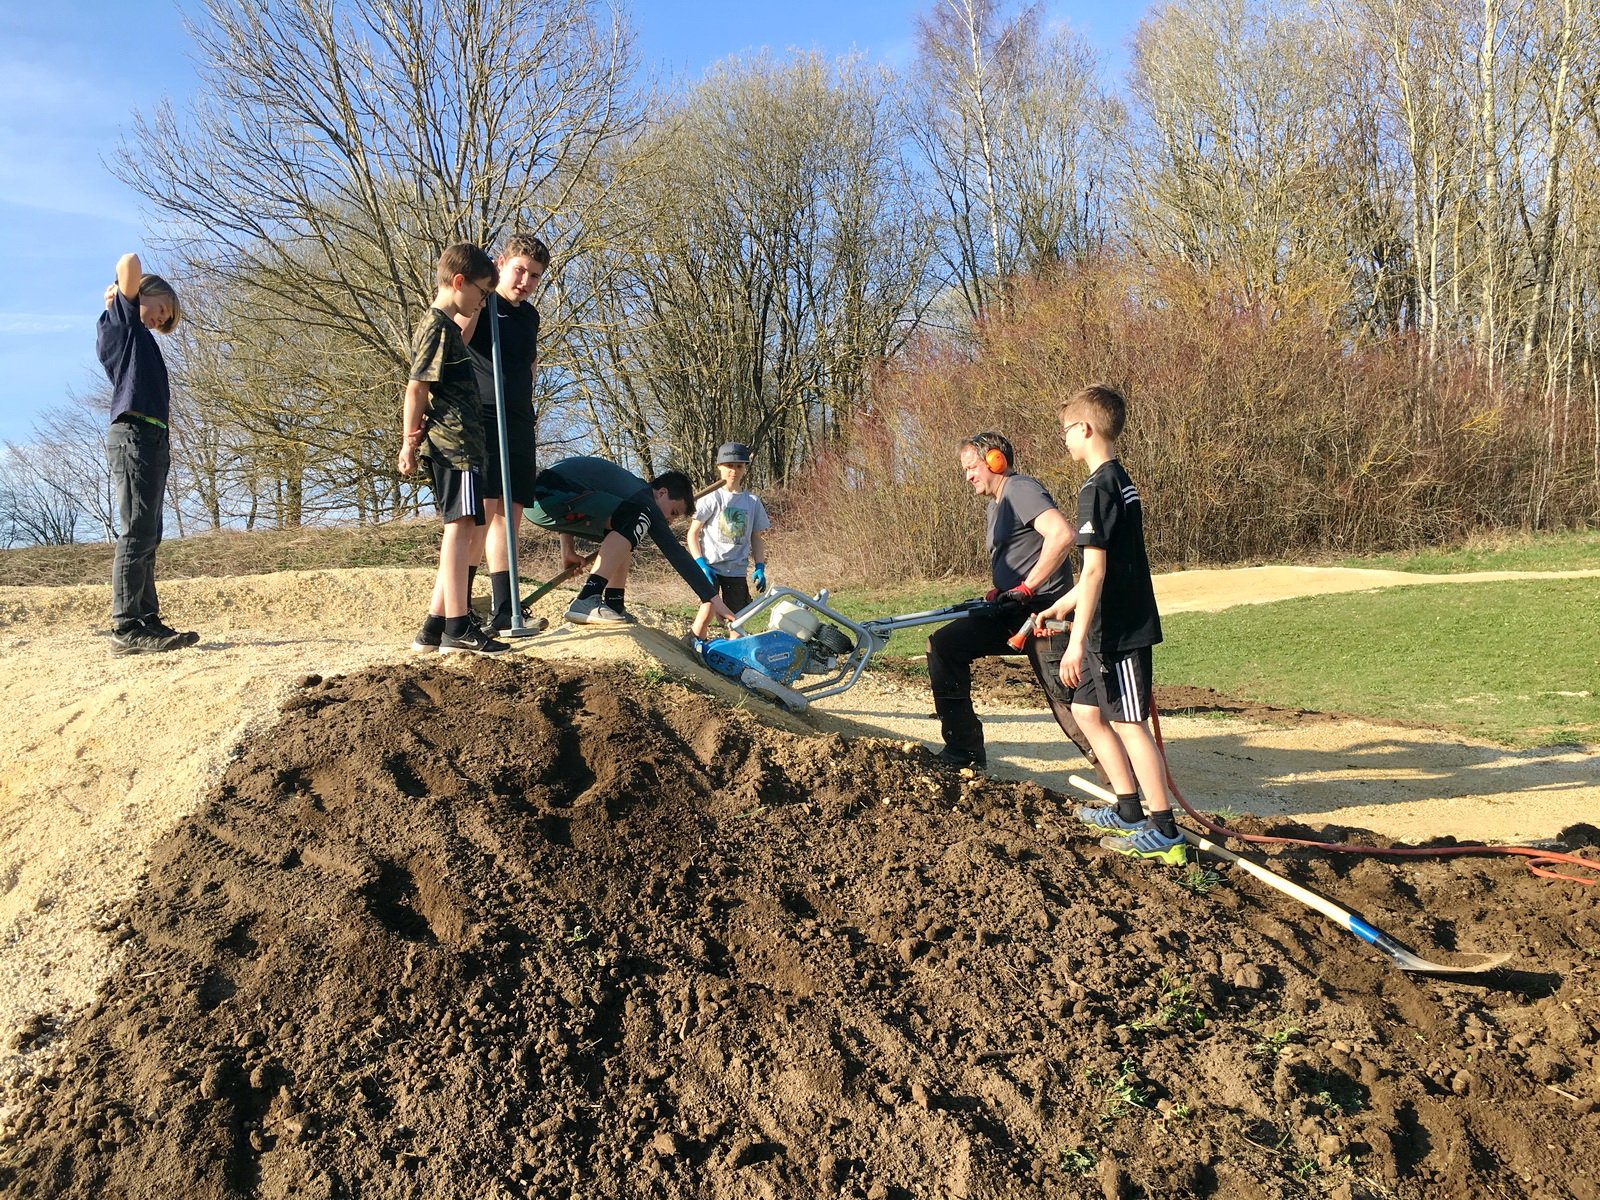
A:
953	648
139	456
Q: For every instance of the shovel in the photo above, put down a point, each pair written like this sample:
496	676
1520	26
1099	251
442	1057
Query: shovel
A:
550	585
1399	955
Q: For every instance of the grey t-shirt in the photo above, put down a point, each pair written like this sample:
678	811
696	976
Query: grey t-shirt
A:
728	519
1014	544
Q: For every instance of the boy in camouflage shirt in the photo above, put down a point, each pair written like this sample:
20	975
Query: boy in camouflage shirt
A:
443	426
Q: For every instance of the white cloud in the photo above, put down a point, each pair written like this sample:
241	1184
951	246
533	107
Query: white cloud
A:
37	323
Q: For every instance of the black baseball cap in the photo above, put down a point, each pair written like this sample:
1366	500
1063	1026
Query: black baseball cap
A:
733	452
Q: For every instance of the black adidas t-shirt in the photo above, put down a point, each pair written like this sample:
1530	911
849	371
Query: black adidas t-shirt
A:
519	347
1111	518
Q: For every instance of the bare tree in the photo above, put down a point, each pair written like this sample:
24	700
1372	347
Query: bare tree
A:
1009	120
337	148
767	260
56	488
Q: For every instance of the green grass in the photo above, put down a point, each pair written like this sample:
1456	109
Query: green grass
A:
398	544
1516	662
1506	661
1578	551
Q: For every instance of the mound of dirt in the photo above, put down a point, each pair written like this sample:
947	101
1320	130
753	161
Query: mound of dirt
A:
529	931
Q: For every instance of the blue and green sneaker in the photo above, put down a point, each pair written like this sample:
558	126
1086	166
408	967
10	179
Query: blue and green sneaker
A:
1150	843
1105	817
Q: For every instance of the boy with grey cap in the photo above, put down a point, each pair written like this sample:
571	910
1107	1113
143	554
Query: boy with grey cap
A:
729	524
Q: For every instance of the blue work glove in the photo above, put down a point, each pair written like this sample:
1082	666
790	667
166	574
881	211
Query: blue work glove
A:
761	577
706	567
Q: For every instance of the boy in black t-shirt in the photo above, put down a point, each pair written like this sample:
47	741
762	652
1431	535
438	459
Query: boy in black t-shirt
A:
522	265
599	501
443	425
1107	660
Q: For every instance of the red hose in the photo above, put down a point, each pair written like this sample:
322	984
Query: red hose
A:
1538	859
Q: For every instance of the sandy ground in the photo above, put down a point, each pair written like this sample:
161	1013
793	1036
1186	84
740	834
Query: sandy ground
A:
100	756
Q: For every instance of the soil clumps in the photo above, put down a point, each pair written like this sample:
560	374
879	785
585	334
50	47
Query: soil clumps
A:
525	930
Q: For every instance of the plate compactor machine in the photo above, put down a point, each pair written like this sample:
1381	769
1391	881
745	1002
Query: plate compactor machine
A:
808	650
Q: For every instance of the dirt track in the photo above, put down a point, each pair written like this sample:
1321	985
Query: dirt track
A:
82	810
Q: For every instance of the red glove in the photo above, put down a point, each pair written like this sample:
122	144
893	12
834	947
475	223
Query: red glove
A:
1022	593
992	595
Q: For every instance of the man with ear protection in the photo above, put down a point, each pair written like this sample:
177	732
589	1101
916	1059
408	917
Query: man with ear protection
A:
1028	538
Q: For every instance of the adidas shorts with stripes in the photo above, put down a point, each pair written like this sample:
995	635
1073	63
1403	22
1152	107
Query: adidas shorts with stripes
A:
457	493
1118	685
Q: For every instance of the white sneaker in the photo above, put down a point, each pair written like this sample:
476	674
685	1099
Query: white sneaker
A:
593	611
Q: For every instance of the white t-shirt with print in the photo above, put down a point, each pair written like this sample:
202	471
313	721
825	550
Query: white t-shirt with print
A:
727	520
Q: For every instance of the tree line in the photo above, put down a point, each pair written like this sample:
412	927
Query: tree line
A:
778	250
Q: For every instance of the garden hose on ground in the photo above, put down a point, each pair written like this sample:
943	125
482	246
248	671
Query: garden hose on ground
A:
1539	860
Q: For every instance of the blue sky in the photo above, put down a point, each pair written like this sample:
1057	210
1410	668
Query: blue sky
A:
77	70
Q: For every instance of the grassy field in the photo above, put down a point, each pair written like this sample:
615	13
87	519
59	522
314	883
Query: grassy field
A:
1514	662
1511	552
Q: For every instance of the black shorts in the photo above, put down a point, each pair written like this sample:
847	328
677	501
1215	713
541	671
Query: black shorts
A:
1119	685
524	470
459	494
735	591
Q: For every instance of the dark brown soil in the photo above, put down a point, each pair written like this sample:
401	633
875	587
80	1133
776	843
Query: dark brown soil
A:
529	932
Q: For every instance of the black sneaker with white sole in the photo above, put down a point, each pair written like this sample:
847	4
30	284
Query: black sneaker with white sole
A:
473	641
150	639
427	640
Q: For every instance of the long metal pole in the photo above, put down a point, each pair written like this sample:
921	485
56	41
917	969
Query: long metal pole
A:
518	629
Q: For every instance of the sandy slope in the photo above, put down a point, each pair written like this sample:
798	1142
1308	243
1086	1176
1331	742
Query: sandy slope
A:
100	756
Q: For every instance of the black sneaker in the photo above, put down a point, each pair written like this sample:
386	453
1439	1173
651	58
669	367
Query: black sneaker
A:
473	641
145	639
157	626
500	621
427	639
963	758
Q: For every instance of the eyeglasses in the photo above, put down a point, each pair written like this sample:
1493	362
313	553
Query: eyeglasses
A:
1071	425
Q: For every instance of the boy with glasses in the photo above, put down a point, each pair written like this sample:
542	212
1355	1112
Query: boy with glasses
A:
1115	623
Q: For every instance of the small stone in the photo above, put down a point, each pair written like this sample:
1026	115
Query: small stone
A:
308	681
665	1143
878	1191
919	1095
1330	1144
912	949
1249	977
1462	1083
1113	1179
211	1082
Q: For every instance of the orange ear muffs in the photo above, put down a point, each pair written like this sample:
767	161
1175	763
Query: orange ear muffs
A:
995	460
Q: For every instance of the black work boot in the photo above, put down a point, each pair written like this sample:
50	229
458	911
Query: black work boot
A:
963	733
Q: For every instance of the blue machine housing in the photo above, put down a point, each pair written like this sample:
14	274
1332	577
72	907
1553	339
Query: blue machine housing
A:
776	654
